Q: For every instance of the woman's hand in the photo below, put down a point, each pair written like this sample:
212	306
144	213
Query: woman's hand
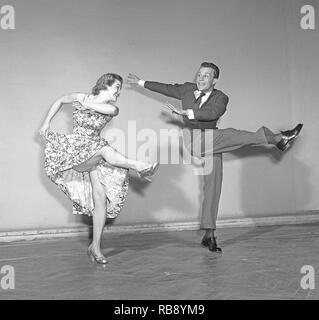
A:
132	79
44	129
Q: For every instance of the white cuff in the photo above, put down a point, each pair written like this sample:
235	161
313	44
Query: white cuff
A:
190	114
141	82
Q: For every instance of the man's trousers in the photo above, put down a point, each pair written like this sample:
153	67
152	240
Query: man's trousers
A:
212	143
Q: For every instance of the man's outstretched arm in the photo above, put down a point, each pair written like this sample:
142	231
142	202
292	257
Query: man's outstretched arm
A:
169	90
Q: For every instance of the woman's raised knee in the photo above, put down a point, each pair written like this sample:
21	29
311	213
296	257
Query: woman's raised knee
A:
108	154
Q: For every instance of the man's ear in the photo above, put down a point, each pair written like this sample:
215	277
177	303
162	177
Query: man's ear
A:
215	80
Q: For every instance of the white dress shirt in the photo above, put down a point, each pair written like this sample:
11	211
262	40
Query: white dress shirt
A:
190	112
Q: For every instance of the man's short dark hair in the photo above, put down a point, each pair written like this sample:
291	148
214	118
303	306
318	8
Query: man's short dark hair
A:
213	66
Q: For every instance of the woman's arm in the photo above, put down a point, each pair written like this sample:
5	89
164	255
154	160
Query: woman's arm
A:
69	98
104	108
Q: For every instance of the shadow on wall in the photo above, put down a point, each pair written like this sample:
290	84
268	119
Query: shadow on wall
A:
166	192
256	189
248	177
280	188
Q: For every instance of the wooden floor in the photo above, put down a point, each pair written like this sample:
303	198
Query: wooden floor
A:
257	263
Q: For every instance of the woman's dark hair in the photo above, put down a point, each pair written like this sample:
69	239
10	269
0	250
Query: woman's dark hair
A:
213	66
105	81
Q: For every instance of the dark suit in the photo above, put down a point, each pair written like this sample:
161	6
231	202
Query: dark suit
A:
209	140
207	115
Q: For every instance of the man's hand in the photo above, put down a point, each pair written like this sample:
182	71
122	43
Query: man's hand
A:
132	79
181	112
173	109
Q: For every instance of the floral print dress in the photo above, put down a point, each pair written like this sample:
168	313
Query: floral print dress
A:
62	152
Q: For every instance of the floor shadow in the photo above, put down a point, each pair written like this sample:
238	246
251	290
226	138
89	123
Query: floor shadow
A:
258	191
146	241
251	234
276	188
164	192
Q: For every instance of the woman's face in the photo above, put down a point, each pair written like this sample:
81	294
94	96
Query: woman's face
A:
114	91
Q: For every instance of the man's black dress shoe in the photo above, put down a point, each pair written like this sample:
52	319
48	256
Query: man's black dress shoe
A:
211	244
288	136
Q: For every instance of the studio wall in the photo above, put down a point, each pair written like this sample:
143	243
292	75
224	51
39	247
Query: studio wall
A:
268	68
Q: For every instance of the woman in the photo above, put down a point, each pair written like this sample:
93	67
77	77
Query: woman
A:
87	169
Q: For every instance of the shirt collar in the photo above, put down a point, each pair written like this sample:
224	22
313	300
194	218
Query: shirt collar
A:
208	93
196	92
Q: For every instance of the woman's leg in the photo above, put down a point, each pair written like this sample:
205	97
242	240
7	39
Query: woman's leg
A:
114	158
99	216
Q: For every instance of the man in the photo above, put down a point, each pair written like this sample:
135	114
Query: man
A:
202	106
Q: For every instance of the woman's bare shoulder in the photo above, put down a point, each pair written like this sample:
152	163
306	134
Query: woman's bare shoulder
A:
72	97
79	96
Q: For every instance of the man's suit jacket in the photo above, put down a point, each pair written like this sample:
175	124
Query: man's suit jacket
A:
207	116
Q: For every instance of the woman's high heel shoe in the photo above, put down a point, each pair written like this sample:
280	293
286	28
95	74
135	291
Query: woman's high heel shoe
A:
147	173
95	258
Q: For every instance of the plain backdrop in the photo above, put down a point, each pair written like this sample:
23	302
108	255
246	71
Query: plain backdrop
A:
269	68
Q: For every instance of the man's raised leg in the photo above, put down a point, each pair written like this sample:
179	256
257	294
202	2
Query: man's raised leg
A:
227	140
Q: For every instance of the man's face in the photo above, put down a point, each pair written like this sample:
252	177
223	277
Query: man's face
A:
205	79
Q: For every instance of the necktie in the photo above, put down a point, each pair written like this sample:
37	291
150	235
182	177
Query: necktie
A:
199	96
